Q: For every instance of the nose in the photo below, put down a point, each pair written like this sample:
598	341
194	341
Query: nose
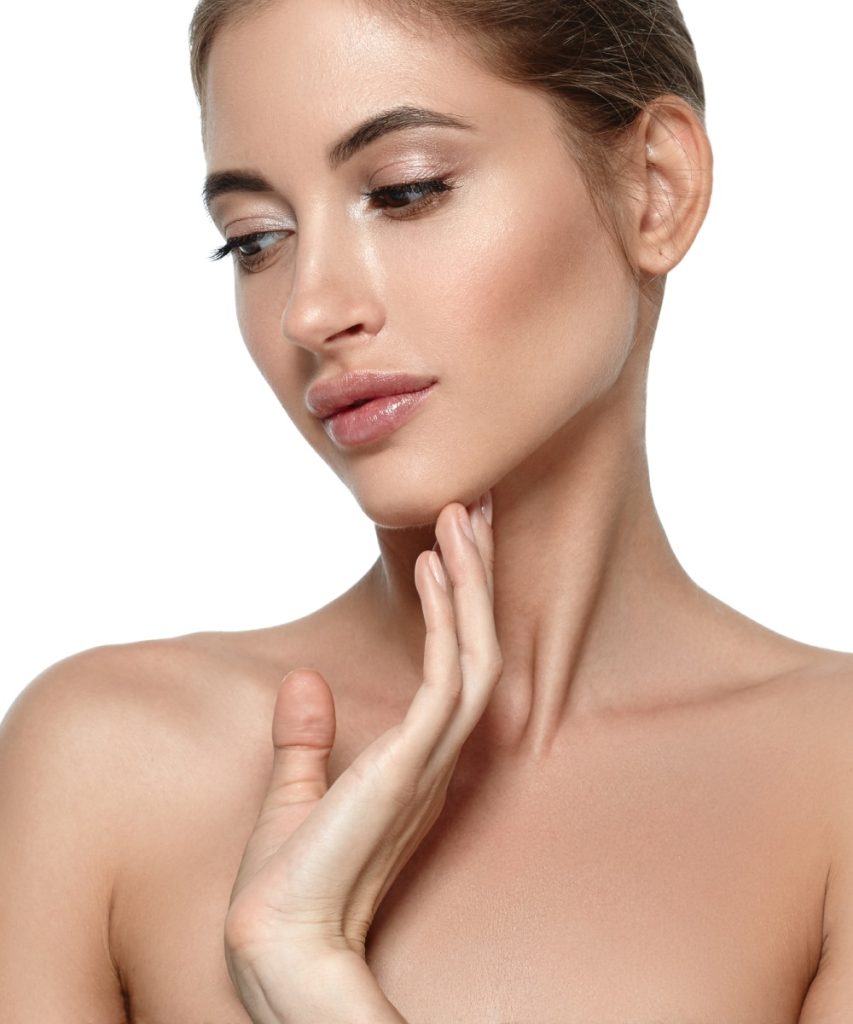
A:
333	294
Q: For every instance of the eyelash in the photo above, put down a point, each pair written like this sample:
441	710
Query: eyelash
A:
430	190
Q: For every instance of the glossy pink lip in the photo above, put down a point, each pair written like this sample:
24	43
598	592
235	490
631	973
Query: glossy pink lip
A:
325	398
375	419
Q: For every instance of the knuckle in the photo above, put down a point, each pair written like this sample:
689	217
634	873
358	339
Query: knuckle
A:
470	582
475	569
488	663
396	782
453	688
448	687
443	622
295	790
242	929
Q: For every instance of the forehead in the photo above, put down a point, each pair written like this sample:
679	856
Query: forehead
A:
298	73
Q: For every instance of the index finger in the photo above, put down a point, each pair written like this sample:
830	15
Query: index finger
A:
461	653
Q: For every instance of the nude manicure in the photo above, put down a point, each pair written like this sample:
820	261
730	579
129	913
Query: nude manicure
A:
465	523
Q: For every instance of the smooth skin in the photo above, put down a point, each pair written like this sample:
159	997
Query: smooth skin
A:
651	818
320	860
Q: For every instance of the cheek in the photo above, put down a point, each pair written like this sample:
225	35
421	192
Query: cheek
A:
534	305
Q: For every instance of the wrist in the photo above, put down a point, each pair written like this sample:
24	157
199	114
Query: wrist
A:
334	987
357	997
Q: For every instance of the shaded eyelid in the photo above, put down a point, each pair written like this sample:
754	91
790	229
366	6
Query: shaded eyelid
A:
427	191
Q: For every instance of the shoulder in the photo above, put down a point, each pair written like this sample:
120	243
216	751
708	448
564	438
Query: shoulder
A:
114	749
826	701
102	755
150	675
812	704
820	694
102	686
797	727
116	714
824	708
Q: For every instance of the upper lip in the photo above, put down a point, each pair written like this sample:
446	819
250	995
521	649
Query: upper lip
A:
327	397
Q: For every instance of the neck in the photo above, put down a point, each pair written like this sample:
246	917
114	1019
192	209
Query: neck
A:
595	616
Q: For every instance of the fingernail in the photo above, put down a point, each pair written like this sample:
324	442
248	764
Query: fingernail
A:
465	522
486	506
475	512
437	570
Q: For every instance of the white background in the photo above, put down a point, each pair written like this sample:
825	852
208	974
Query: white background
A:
153	485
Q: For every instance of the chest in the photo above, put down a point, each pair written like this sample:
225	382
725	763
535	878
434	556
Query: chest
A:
655	887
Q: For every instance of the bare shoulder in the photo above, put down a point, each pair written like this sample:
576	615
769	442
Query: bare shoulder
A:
813	701
814	707
173	688
820	691
104	686
825	703
818	711
124	743
114	719
106	757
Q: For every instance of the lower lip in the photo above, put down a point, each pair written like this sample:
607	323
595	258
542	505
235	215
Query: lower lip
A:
375	419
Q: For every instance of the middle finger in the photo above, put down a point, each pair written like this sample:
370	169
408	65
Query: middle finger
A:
469	569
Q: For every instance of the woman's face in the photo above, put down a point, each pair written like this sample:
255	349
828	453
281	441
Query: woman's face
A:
505	288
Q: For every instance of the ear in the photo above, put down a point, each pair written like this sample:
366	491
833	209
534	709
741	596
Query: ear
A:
672	159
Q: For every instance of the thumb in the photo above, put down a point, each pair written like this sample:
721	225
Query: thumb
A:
303	732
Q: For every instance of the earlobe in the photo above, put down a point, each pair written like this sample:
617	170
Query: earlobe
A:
675	165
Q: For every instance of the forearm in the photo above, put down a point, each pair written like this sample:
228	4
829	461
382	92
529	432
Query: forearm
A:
337	990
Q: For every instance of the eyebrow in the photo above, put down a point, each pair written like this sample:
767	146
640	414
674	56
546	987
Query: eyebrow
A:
392	120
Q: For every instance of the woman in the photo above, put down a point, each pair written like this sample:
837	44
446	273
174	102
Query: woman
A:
565	784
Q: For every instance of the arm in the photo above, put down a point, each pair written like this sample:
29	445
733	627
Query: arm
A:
55	853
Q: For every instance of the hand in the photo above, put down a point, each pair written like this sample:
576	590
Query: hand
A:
320	860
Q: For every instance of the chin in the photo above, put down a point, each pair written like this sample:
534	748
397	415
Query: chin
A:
402	509
401	500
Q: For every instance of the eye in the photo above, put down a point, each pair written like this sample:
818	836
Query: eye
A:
426	194
249	249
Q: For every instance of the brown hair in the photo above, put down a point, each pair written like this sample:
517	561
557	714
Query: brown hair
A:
599	62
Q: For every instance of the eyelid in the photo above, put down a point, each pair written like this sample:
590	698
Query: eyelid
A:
248	225
431	190
416	168
399	173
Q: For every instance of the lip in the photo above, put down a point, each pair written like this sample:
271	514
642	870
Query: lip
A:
375	419
326	398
